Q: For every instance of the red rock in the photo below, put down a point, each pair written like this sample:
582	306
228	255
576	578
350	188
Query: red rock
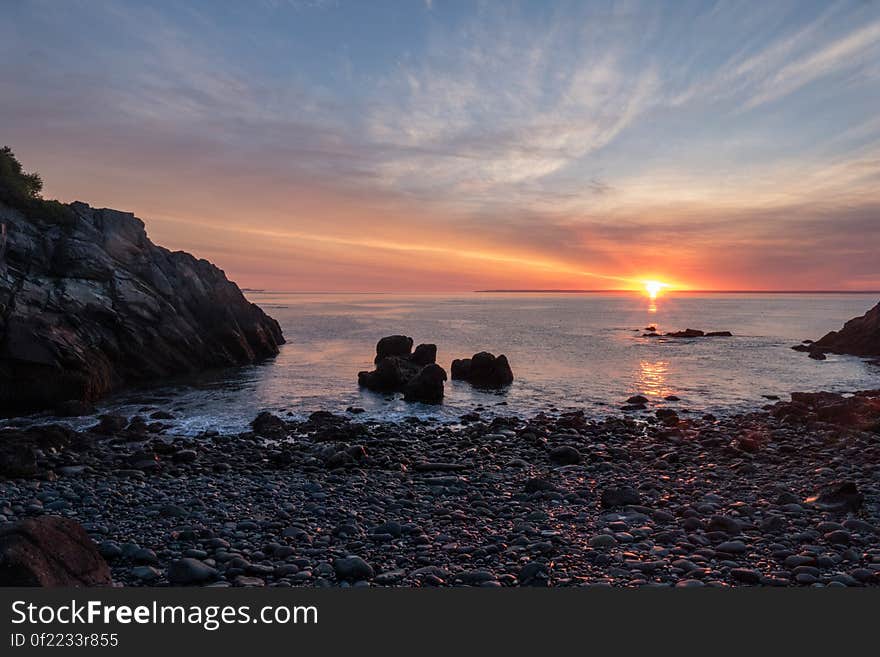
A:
50	551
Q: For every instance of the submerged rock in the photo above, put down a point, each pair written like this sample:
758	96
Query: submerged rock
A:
695	333
92	304
687	333
483	370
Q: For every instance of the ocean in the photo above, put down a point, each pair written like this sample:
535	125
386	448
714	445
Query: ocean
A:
567	351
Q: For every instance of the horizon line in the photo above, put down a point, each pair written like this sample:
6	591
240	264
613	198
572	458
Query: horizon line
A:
679	291
553	291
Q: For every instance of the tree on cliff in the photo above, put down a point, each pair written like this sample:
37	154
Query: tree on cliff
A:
23	191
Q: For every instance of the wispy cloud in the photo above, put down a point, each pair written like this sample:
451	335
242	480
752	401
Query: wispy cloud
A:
596	137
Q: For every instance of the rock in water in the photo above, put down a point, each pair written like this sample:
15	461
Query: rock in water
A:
425	354
427	385
687	333
483	370
394	345
858	337
92	304
399	369
50	551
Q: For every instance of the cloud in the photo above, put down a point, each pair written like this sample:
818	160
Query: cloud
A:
502	105
521	143
789	60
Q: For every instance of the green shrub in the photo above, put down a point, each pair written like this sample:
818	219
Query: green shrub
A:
23	191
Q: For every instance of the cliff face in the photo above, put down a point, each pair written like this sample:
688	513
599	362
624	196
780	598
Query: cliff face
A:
858	337
89	304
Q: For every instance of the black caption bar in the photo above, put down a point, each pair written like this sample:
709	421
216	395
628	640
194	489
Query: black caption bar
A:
144	621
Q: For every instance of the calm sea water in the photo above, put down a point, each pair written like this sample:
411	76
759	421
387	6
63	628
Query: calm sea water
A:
566	351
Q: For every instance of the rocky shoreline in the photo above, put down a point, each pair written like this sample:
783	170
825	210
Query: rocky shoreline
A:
788	495
90	305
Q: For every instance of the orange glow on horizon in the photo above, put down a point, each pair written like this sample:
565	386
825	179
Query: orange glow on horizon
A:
654	288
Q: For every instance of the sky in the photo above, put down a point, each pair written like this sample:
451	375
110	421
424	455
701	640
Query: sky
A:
438	145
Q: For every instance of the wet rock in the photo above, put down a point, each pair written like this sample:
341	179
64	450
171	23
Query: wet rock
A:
426	386
267	424
483	370
110	424
687	333
858	337
393	345
425	354
417	375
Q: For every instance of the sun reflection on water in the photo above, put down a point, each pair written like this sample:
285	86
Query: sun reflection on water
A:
652	378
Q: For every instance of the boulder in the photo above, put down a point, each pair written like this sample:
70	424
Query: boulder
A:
483	370
94	305
858	337
425	354
399	369
393	345
391	374
426	386
860	411
267	425
50	551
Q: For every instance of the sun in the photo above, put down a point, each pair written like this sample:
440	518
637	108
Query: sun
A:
653	288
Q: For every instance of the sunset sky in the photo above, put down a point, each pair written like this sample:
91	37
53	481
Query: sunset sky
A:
443	145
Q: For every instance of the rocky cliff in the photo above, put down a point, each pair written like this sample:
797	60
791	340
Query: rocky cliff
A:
88	303
858	337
